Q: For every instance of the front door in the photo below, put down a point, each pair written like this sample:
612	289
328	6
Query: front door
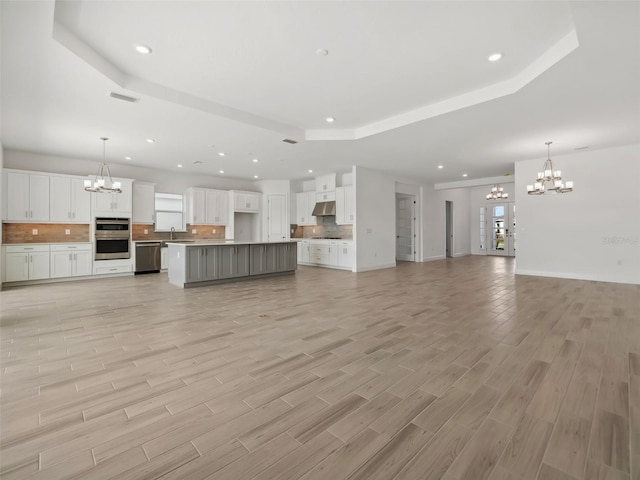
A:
405	228
502	229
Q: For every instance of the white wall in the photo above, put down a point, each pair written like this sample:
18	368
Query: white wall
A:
434	222
374	229
166	182
592	233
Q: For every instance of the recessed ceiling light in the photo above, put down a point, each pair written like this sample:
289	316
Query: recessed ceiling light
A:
330	119
143	49
255	176
310	171
322	52
440	167
255	160
150	140
127	158
221	154
179	165
221	171
494	57
464	175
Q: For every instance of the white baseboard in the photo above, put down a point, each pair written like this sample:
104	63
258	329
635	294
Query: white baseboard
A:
431	259
377	267
578	276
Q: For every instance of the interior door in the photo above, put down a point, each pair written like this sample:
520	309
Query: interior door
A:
449	229
277	225
405	227
502	229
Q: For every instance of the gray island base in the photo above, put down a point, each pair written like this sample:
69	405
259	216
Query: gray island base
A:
206	263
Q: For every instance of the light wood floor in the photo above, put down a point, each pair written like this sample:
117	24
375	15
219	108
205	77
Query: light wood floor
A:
453	369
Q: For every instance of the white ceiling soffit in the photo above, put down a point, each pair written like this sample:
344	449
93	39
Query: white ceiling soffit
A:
546	23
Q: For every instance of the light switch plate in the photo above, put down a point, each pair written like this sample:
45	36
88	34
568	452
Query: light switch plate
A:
34	231
213	231
67	231
194	231
146	231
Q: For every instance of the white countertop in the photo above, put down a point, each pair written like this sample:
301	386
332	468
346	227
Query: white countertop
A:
202	243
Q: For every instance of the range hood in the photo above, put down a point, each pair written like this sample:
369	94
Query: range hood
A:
324	209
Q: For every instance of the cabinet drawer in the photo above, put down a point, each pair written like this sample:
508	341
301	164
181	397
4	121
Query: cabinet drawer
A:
104	270
26	248
72	247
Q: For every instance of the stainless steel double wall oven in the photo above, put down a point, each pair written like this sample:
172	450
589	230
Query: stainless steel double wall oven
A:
113	238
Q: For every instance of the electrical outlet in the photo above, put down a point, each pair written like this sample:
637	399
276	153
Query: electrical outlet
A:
194	231
146	231
67	231
34	231
313	230
213	231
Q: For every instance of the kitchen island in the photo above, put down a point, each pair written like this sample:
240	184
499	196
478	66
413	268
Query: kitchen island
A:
194	264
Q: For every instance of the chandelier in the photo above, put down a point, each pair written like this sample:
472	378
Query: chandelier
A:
549	180
100	184
497	193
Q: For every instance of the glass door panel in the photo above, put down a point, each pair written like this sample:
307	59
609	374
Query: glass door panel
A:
501	229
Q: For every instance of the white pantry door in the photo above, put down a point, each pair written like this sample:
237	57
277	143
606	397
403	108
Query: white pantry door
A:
277	225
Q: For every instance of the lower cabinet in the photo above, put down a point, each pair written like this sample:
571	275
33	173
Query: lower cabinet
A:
264	259
26	263
202	264
287	257
72	260
164	258
345	254
327	253
303	251
234	261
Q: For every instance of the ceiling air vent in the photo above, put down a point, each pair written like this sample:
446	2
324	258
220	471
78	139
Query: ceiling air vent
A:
125	98
288	140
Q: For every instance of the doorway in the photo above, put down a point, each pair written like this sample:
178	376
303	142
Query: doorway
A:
405	227
449	228
502	229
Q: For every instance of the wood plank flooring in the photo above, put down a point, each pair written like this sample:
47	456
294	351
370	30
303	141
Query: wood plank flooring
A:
454	369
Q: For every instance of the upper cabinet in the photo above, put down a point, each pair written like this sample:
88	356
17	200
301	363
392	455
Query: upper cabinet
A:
326	183
27	197
113	204
206	206
305	201
345	205
246	202
144	200
69	202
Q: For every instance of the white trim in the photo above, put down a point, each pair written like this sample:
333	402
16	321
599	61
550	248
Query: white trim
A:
434	258
377	267
577	276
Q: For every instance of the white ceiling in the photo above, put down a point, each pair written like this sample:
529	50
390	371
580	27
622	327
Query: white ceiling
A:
408	83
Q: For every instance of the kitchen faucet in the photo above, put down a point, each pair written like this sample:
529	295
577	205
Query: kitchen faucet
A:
173	230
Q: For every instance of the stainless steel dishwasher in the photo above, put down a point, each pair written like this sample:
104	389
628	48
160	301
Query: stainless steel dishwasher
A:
148	257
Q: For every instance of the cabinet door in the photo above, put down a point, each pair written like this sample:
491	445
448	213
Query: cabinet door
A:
17	196
196	206
61	263
333	254
222	207
80	202
349	205
211	263
195	264
227	267
81	263
345	256
242	261
39	198
60	199
301	208
164	258
144	202
122	202
102	201
287	256
311	203
211	207
340	207
38	265
17	267
305	252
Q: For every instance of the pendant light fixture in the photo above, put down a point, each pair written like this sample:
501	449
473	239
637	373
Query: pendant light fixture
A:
497	193
549	180
102	184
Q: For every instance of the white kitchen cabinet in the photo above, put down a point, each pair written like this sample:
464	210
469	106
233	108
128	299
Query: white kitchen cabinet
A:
207	206
27	196
305	201
114	204
318	252
246	202
303	251
326	183
69	202
144	203
26	262
345	254
216	207
345	211
70	260
164	258
333	253
325	196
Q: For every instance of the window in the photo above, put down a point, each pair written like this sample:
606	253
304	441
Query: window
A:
482	233
169	212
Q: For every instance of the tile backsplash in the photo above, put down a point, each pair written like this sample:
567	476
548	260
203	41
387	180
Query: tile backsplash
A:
326	227
203	232
45	233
